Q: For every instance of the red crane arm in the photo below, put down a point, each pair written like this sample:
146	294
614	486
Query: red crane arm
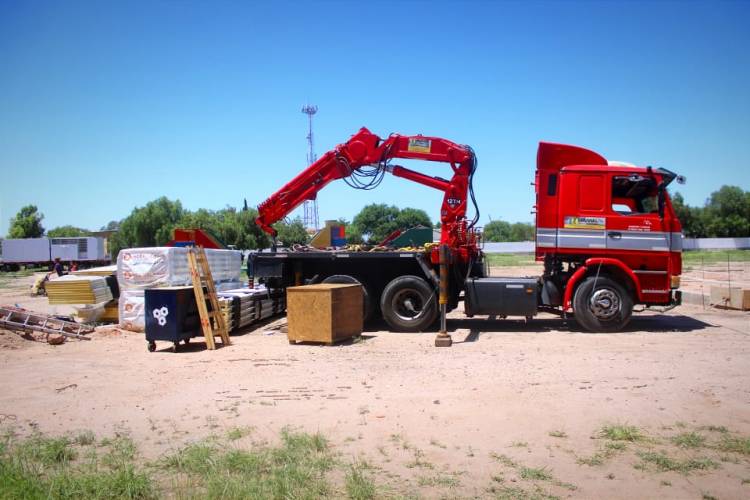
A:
367	149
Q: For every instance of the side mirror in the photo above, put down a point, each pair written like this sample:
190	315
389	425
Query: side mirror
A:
680	179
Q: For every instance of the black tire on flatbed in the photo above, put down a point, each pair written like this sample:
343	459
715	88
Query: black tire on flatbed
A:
409	304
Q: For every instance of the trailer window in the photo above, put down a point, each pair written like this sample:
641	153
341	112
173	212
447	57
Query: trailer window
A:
634	195
552	185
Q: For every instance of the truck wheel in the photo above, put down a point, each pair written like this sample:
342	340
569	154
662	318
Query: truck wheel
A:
601	305
366	301
409	304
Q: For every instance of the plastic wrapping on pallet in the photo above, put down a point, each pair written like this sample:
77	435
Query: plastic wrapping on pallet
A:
141	268
131	310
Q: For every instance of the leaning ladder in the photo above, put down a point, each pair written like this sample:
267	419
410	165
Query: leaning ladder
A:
15	318
212	322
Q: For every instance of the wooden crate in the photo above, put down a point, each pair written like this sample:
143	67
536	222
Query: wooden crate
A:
326	312
736	298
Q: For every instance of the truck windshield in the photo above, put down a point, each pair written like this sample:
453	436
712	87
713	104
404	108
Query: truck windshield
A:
634	195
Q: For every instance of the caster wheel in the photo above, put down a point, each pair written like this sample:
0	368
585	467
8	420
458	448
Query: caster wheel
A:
186	341
175	347
151	346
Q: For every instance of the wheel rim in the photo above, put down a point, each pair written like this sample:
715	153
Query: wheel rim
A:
408	304
605	304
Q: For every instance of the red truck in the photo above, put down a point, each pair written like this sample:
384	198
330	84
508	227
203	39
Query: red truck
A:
605	231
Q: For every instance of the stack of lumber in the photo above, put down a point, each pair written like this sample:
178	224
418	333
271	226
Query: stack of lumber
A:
250	305
72	289
111	312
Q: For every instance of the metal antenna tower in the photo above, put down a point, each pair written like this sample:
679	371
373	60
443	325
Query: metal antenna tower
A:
310	206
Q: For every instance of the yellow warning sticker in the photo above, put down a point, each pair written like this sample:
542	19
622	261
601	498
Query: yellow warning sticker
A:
584	222
419	145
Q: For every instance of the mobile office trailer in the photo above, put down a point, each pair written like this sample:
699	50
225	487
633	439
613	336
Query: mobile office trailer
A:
86	251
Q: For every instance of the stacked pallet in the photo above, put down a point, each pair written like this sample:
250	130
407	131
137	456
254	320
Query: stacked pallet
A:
97	271
139	269
111	312
78	290
250	305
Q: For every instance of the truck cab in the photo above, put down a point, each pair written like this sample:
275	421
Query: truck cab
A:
609	222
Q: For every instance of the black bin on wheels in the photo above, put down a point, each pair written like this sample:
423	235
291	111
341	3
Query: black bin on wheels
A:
171	315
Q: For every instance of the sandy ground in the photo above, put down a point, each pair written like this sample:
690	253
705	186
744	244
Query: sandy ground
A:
453	422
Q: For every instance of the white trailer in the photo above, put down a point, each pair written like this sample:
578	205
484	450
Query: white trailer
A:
86	250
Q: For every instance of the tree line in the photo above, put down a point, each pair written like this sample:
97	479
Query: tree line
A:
726	213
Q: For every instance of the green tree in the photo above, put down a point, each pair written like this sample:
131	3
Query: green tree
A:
67	231
497	230
412	217
232	227
292	233
376	221
148	226
728	213
27	223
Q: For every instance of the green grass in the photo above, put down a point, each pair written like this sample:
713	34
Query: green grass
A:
694	258
510	259
238	433
535	474
8	277
735	444
40	467
621	433
689	440
664	463
558	434
358	485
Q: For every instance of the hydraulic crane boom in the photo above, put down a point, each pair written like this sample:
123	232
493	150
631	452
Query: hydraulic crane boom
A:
366	155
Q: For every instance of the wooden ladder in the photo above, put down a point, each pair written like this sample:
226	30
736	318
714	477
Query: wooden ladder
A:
212	322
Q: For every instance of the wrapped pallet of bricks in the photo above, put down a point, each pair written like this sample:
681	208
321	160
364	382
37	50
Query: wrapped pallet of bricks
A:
141	268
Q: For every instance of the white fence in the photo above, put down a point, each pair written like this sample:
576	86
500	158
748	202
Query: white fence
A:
687	244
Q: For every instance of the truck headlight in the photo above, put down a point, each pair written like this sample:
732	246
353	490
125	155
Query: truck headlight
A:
675	282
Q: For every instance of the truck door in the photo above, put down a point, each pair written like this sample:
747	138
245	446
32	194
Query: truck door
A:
633	222
636	234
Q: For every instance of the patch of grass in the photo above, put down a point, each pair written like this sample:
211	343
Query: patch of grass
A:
44	467
535	474
594	460
510	259
238	433
664	463
439	480
665	483
689	440
85	438
745	481
558	434
503	459
621	433
734	444
691	258
614	446
419	461
708	496
519	444
358	485
715	428
47	450
503	492
294	469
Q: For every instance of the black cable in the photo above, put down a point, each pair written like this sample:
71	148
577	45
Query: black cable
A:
474	165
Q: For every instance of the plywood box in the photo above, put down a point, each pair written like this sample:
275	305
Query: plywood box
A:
326	312
736	298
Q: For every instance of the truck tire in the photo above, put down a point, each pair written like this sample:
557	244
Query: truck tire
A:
601	305
409	304
367	305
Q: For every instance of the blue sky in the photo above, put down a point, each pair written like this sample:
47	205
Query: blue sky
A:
106	105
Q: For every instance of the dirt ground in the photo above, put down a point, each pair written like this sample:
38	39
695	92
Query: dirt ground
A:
479	419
